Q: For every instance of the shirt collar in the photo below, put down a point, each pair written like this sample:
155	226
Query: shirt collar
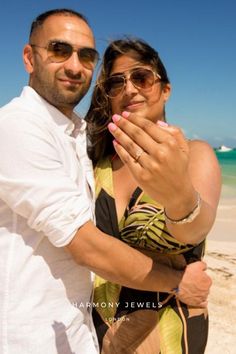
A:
50	112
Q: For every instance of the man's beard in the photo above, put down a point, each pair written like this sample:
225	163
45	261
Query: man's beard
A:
69	97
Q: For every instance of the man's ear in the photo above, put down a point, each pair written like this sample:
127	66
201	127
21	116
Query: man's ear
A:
28	58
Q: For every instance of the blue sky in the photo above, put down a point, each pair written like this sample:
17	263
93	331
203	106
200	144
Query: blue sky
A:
195	39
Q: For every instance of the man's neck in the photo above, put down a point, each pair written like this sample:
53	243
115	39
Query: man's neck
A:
67	112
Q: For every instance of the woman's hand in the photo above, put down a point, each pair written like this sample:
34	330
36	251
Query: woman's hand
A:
171	170
157	156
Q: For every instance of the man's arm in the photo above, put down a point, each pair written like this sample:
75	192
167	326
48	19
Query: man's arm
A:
119	263
38	188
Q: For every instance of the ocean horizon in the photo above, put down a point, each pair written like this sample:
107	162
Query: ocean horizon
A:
227	161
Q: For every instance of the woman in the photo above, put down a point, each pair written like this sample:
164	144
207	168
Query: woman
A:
168	220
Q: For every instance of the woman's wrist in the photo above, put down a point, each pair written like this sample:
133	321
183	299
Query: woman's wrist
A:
189	217
181	206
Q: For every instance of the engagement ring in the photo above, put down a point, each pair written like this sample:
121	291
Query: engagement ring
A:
138	154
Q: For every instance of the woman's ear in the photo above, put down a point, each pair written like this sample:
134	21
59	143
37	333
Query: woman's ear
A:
166	91
28	58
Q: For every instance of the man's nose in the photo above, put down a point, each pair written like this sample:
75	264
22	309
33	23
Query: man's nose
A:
73	63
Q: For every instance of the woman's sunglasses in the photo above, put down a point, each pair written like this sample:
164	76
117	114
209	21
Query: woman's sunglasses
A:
141	78
61	51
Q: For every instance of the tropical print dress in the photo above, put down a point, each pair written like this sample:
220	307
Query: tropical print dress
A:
131	321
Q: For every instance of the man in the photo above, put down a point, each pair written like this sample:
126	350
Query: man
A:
48	240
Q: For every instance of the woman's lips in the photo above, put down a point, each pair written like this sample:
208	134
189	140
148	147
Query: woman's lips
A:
133	105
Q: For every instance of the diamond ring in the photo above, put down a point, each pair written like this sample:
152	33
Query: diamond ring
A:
138	154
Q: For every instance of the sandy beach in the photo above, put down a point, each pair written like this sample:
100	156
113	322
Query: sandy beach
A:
221	260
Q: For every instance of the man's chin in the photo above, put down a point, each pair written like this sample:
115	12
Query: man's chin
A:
71	97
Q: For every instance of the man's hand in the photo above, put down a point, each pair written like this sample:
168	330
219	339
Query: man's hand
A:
195	285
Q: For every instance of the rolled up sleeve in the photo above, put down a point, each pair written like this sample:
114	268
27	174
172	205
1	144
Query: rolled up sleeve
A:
35	181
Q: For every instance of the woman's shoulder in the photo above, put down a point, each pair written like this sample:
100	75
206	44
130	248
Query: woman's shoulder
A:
201	148
203	163
199	144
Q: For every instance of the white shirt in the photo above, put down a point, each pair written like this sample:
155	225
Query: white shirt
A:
46	187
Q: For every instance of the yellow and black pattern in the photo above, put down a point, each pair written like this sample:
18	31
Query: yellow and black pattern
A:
143	322
143	226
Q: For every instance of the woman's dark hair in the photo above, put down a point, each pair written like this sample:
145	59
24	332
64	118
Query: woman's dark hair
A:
99	113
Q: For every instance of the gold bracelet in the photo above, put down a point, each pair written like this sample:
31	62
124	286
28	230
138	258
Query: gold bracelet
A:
188	218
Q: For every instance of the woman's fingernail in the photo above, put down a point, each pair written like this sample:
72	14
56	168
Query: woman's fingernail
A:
112	127
162	124
115	143
116	118
125	114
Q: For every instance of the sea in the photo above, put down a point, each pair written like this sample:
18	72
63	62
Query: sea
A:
227	161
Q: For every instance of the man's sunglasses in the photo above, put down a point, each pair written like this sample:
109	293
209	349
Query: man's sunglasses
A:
61	51
141	78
